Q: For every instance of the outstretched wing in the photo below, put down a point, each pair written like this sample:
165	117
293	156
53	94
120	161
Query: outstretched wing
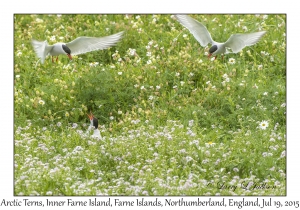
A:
199	31
84	44
41	49
237	42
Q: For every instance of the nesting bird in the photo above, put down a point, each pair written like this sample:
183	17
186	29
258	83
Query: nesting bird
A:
236	42
94	126
78	46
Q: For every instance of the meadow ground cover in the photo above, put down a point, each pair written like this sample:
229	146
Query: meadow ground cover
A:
173	122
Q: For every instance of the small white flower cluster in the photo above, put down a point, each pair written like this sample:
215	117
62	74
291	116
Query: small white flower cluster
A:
226	79
131	52
94	64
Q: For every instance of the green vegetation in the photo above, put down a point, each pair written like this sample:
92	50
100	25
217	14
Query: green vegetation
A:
173	122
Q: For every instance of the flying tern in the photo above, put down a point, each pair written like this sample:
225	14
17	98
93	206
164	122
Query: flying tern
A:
236	42
78	46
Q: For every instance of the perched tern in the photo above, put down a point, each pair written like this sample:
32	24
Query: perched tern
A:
94	126
236	42
78	46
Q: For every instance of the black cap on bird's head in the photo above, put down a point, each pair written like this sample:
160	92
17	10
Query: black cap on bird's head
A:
213	49
67	50
93	120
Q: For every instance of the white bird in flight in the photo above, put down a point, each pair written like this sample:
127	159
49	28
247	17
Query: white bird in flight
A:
78	46
236	42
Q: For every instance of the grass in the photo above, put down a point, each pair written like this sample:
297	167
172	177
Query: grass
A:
173	122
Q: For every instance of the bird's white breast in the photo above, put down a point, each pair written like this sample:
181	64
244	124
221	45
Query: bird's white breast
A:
97	134
57	49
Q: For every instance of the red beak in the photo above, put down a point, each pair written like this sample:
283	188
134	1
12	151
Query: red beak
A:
69	56
91	116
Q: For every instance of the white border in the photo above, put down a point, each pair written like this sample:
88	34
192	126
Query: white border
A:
153	6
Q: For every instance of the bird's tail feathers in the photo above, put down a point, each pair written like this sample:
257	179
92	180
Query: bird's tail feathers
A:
41	49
